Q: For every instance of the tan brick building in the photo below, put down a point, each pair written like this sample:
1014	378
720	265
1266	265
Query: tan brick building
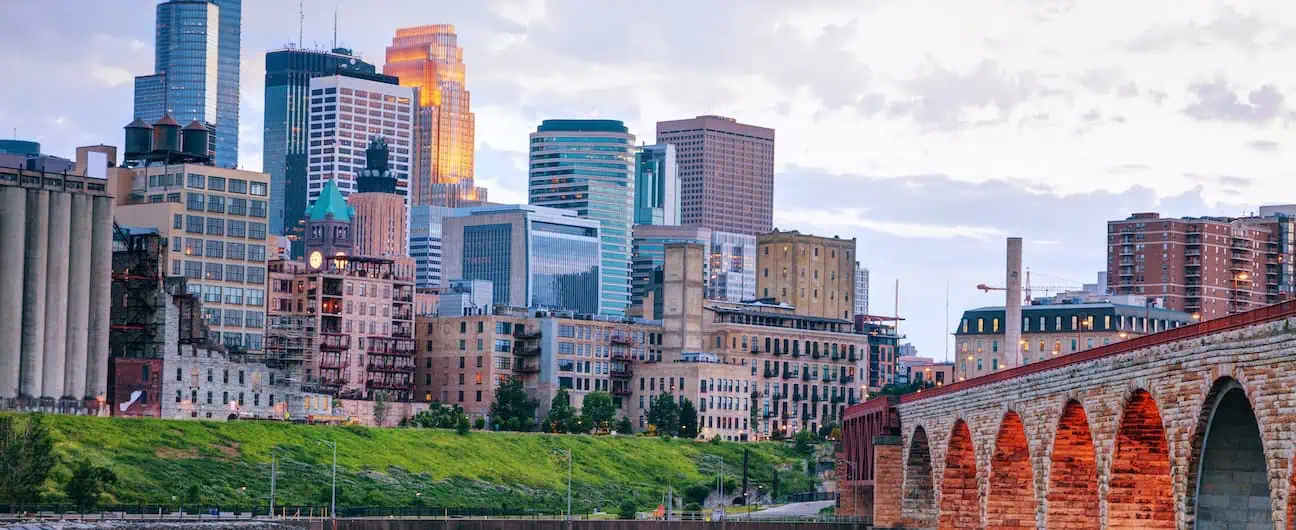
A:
816	275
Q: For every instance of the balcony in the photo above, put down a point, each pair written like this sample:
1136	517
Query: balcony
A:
1192	252
389	384
622	338
334	380
621	355
519	334
621	371
386	364
402	313
805	376
796	397
526	368
621	390
790	375
334	342
389	346
334	362
771	373
521	350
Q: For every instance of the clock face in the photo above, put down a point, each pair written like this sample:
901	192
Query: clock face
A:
316	259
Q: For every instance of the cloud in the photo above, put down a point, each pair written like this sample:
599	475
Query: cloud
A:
856	218
941	99
1218	100
1241	30
1263	146
111	75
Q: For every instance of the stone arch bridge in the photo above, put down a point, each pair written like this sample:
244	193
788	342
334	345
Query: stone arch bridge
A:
1189	428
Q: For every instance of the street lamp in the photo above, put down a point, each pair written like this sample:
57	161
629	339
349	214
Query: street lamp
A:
719	476
333	492
569	480
855	488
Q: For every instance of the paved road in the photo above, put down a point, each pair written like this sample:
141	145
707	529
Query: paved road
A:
796	509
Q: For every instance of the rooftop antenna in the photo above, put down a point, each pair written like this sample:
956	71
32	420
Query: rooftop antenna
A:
301	23
335	10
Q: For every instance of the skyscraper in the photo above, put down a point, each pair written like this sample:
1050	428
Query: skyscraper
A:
650	258
425	239
726	172
588	166
381	215
345	113
196	70
287	111
731	267
657	186
861	289
429	59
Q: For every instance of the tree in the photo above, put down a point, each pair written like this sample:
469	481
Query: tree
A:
755	410
512	410
804	442
627	510
462	427
598	411
26	457
562	416
697	493
479	423
88	482
663	414
826	430
688	420
380	407
624	426
193	495
437	417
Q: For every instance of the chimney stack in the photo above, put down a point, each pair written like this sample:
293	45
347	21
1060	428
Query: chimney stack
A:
1013	305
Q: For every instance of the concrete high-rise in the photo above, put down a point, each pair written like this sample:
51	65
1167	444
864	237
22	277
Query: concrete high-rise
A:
726	171
425	241
657	184
731	267
588	166
287	121
861	289
56	234
649	258
429	59
346	113
196	70
1208	266
816	275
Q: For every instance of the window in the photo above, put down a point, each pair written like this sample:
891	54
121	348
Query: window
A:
257	231
234	317
237	186
195	181
254	319
234	273
215	226
258	208
258	189
193	247
194	224
254	296
216	183
237	206
211	293
193	269
215	249
195	201
214	271
177	221
235	251
256	275
257	252
216	203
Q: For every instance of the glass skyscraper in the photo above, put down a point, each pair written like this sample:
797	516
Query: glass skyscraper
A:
284	141
425	243
196	70
657	185
588	166
429	59
533	256
732	274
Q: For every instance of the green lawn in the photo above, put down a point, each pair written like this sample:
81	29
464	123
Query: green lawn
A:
230	463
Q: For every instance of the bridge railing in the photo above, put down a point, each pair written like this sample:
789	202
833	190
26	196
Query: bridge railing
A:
1207	327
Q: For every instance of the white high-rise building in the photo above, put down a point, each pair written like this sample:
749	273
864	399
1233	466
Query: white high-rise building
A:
345	113
861	289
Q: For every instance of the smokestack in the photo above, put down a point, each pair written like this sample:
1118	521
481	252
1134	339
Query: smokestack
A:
1013	305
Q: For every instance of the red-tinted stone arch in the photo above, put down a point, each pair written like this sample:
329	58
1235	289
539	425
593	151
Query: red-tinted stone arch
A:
1228	473
1073	479
1140	492
1011	504
960	505
919	501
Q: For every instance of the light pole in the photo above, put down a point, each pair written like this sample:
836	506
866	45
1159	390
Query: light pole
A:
333	492
719	476
569	480
854	488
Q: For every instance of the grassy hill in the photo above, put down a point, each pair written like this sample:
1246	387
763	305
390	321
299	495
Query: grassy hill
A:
230	464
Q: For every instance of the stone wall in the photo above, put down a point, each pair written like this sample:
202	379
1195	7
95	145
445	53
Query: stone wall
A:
1109	442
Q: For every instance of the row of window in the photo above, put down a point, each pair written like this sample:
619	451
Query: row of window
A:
196	181
197	224
199	202
198	270
214	248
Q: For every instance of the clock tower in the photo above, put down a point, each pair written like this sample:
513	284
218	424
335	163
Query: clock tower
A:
328	225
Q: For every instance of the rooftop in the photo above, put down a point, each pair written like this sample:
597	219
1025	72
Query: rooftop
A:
330	203
612	126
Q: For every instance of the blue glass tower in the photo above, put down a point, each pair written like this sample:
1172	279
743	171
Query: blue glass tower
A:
196	70
588	166
287	94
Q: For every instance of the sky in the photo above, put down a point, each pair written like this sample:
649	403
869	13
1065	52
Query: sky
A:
928	130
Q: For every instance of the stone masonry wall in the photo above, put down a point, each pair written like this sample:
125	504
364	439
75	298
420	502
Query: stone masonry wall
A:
1168	389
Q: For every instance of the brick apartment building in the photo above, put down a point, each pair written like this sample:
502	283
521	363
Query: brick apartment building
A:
1207	266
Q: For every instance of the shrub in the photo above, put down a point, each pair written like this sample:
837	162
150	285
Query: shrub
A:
627	510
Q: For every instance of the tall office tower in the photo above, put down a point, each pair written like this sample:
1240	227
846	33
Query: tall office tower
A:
381	215
731	267
649	258
533	256
588	166
861	289
425	240
345	113
1208	266
287	122
816	275
726	171
429	59
196	70
657	185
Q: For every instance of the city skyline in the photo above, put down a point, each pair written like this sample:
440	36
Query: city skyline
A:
1046	151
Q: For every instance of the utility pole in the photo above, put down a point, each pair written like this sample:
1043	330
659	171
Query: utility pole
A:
569	474
272	486
333	493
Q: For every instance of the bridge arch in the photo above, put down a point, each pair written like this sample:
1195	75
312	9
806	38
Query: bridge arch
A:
1140	488
1073	476
1228	477
919	500
1012	480
960	500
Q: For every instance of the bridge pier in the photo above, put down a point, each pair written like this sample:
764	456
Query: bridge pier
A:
1189	429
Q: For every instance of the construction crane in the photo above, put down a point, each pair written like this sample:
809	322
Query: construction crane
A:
1027	288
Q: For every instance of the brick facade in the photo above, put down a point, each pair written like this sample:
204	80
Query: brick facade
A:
1114	439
